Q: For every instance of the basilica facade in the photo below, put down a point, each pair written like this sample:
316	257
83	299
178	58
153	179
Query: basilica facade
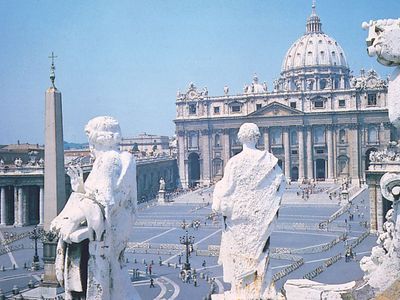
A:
319	120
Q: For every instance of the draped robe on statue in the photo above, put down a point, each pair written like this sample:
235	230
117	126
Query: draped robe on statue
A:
249	197
94	229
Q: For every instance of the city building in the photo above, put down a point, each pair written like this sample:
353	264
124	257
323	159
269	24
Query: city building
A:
147	143
319	120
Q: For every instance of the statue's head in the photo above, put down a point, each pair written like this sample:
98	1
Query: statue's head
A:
103	132
249	134
384	40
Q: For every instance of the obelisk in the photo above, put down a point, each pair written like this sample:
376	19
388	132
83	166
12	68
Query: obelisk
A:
54	173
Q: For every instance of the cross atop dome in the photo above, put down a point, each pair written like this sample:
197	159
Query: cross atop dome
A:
313	22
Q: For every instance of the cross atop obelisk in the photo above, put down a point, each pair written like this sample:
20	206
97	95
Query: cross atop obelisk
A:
52	69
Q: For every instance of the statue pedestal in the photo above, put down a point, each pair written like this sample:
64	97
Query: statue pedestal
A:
161	197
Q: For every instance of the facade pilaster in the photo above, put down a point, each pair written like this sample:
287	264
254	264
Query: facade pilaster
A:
3	209
41	205
329	138
309	151
300	137
181	159
226	149
266	139
286	149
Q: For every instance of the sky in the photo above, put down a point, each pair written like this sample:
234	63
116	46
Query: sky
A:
129	58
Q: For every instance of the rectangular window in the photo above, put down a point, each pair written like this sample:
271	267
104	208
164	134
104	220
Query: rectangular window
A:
258	106
192	109
293	104
371	99
318	104
342	103
320	151
236	108
216	110
294	151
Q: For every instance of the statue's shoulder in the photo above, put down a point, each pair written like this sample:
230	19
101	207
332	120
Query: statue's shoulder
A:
127	158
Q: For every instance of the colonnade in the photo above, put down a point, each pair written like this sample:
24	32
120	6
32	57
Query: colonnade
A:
19	203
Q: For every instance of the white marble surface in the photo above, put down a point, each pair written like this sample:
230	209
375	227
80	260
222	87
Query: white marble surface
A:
249	197
101	210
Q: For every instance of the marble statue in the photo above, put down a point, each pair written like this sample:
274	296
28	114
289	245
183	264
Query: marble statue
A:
18	162
162	184
94	226
384	41
226	90
248	197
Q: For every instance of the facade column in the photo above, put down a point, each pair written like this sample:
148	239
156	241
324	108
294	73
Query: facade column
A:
226	148
310	164
300	138
16	206
3	206
286	149
20	206
330	151
205	149
41	205
266	139
181	160
379	211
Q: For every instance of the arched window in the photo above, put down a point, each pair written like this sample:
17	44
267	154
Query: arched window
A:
342	136
217	140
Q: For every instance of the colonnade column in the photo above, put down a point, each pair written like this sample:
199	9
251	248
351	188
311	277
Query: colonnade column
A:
3	206
20	206
41	205
301	154
286	149
310	165
330	151
16	206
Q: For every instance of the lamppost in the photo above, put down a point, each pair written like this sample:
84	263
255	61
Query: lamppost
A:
35	235
187	241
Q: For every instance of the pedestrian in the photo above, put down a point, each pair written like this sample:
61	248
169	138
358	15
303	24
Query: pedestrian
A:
204	264
146	269
150	269
179	259
152	283
195	281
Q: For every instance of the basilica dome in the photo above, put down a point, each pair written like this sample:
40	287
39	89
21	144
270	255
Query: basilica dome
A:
314	49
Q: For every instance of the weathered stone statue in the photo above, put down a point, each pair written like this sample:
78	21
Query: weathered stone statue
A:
382	268
384	42
162	184
94	225
248	197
